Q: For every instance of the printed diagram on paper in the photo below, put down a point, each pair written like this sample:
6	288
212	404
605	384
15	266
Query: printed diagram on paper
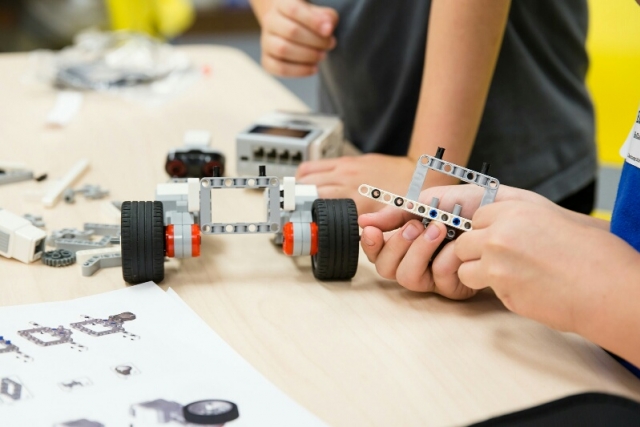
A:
142	350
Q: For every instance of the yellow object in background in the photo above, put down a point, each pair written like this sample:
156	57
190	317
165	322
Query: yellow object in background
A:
614	75
160	18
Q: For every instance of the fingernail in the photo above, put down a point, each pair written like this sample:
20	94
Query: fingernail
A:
367	242
325	29
432	233
411	232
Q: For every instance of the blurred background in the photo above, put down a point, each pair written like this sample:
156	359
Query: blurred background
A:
614	47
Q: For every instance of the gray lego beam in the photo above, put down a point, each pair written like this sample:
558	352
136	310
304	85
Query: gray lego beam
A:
17	175
75	245
112	230
97	262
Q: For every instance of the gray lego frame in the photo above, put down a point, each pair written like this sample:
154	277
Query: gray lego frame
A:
270	225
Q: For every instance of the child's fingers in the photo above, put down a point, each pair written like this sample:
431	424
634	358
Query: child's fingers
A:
445	274
396	247
372	242
387	219
472	275
413	272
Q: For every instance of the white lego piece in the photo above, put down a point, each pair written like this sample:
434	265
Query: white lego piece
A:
55	192
84	255
416	208
19	238
197	139
306	192
193	201
173	189
289	191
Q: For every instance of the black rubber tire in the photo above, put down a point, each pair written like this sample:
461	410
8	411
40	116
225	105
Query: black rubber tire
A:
199	413
338	239
142	242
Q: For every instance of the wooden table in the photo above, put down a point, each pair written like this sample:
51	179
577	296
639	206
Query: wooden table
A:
362	353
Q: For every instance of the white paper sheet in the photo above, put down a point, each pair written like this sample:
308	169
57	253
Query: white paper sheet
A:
167	354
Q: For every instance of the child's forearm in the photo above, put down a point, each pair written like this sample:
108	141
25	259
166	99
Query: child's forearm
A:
463	42
613	319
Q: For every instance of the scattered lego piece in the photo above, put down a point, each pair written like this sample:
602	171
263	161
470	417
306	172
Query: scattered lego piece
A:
69	233
36	220
93	192
12	176
97	262
53	195
84	255
103	229
19	238
58	258
69	196
74	245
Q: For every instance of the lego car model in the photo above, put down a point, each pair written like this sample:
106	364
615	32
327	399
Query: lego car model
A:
303	224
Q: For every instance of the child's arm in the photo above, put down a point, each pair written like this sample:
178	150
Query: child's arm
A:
463	42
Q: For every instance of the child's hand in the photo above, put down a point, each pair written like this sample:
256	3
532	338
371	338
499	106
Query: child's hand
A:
296	36
404	254
541	264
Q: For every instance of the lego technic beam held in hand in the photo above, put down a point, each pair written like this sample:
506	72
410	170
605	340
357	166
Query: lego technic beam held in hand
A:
303	224
454	222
